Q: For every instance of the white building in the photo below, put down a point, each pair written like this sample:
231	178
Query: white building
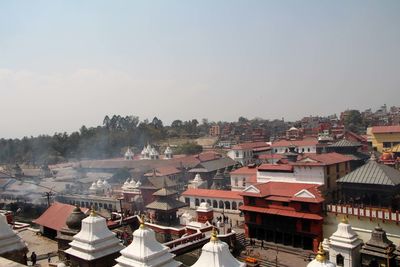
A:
95	241
302	146
244	153
101	187
149	152
129	154
243	177
216	254
168	153
344	246
146	251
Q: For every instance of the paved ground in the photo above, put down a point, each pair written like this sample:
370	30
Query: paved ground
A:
40	245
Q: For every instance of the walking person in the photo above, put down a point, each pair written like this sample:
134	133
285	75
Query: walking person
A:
33	258
48	257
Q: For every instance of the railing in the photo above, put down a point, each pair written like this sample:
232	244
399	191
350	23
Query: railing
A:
184	240
365	212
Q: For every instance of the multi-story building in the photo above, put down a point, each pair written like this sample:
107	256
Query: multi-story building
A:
244	153
284	213
384	137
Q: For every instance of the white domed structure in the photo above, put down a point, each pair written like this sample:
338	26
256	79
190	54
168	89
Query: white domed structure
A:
321	259
146	251
168	153
216	254
100	183
197	182
129	154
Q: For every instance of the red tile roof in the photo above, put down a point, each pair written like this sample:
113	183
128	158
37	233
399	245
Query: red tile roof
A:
304	142
270	156
210	193
386	129
282	212
275	167
56	215
322	159
245	171
287	190
252	145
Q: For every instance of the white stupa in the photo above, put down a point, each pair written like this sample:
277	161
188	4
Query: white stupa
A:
94	241
129	154
168	153
321	259
197	182
146	251
216	254
344	245
9	240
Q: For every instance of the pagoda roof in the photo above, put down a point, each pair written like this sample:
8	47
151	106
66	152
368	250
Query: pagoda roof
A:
379	245
165	204
165	192
373	173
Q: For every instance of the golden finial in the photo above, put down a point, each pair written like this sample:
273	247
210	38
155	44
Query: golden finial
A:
344	220
92	212
214	235
321	256
141	221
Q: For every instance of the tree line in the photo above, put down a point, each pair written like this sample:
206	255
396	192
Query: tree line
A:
103	141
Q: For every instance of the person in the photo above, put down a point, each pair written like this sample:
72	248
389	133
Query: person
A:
33	258
48	257
262	244
25	259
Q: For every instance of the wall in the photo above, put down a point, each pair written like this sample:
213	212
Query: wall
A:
378	139
302	174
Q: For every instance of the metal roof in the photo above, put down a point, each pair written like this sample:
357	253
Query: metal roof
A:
213	165
166	203
373	173
345	143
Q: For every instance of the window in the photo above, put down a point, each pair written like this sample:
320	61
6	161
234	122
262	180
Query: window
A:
339	260
302	150
276	150
227	205
237	154
252	201
305	207
244	182
196	202
337	167
187	200
306	226
308	150
221	204
328	170
236	181
234	206
387	144
285	204
215	204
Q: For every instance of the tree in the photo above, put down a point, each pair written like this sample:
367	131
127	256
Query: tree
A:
353	121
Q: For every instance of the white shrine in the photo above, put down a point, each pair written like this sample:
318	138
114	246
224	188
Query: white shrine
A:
216	254
168	153
101	187
11	245
149	152
129	154
344	246
197	182
146	251
321	259
94	243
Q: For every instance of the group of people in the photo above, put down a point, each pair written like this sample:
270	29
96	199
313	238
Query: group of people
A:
33	258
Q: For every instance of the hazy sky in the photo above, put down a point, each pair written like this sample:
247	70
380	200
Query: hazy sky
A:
68	63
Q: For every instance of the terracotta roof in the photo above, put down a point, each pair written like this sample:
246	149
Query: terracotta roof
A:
287	190
322	159
208	155
282	212
275	167
270	156
386	129
251	145
245	171
252	179
213	193
304	142
56	215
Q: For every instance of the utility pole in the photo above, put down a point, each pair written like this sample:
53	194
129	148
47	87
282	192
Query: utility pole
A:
48	195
